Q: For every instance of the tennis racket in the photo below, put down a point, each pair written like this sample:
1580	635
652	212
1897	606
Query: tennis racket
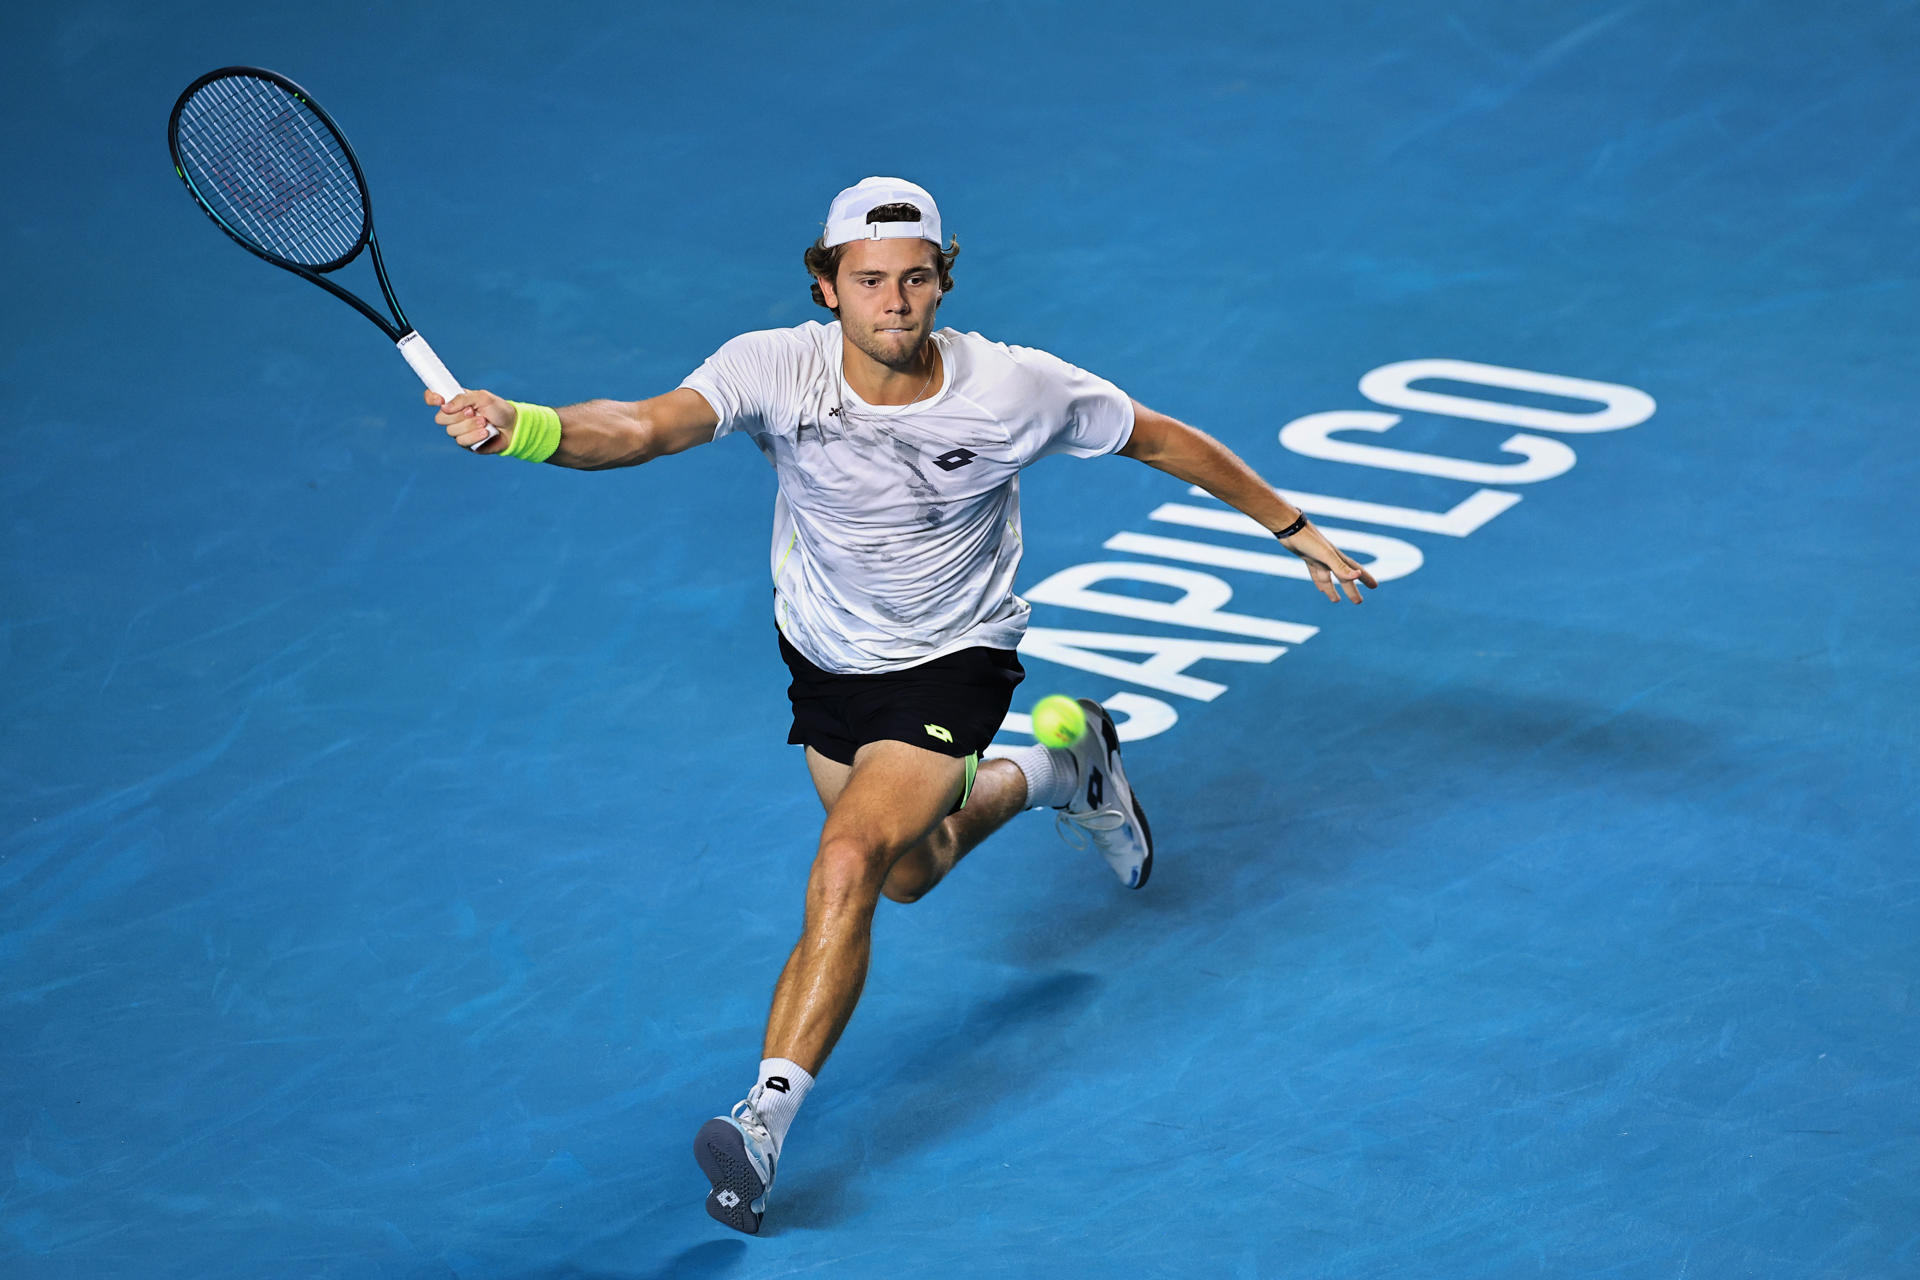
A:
274	172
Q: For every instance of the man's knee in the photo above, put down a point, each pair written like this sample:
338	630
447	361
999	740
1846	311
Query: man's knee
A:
904	892
917	870
847	874
907	882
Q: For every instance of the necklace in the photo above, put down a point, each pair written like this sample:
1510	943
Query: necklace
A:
931	366
840	410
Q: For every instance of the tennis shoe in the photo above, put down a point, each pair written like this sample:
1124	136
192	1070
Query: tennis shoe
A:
1104	811
737	1154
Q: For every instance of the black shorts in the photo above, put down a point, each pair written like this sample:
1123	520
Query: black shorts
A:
953	704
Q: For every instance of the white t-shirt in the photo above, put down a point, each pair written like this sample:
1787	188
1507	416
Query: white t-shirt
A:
896	534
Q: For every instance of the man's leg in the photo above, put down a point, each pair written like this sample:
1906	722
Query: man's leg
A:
891	799
999	792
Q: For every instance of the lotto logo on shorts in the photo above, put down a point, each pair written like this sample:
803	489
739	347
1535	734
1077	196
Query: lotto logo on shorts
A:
935	731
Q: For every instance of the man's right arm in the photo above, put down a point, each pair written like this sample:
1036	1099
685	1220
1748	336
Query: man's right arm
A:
595	436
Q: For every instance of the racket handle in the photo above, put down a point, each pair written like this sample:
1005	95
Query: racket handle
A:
435	375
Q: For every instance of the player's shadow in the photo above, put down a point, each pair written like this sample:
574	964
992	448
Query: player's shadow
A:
701	1262
1233	832
1477	727
711	1258
914	1104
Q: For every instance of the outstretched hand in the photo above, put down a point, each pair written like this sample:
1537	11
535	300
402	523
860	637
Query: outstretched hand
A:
468	415
1329	566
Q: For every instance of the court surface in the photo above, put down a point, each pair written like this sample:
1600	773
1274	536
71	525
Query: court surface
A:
397	848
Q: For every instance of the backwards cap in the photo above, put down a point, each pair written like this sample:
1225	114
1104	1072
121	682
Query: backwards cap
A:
847	216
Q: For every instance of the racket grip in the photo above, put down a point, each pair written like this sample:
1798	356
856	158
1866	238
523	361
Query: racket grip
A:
435	375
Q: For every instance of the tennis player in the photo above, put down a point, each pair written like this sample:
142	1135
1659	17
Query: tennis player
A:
896	539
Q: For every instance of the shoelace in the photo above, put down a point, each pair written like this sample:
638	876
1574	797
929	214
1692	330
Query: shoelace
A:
1077	828
750	1120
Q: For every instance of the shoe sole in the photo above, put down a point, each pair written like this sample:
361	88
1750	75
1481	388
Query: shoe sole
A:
722	1154
1111	736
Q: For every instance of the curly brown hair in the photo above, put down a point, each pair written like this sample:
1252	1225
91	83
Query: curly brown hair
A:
824	263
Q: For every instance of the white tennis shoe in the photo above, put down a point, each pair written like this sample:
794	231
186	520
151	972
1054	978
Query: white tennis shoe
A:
736	1153
1104	807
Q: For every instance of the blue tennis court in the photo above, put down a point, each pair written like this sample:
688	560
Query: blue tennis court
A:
398	848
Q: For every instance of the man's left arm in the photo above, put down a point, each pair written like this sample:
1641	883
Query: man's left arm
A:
1196	457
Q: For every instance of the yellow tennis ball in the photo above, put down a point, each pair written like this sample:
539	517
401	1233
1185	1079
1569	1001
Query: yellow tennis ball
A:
1058	720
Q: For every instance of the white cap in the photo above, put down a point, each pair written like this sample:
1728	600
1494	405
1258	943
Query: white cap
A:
847	216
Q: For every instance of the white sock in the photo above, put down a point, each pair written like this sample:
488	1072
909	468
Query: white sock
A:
776	1099
1052	773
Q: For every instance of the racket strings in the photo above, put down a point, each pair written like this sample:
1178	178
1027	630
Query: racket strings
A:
272	171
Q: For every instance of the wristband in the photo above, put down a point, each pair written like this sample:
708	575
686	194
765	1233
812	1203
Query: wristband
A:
1293	528
536	432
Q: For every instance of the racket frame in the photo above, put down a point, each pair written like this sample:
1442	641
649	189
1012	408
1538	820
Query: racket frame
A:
317	274
418	353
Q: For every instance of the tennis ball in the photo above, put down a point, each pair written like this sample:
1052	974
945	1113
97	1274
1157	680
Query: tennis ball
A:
1058	720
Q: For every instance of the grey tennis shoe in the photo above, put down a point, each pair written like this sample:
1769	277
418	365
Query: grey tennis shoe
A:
1104	809
737	1154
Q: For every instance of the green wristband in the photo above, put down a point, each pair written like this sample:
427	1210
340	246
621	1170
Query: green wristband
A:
536	432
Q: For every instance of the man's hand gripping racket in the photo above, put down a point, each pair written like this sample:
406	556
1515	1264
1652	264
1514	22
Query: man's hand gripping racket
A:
274	172
475	419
